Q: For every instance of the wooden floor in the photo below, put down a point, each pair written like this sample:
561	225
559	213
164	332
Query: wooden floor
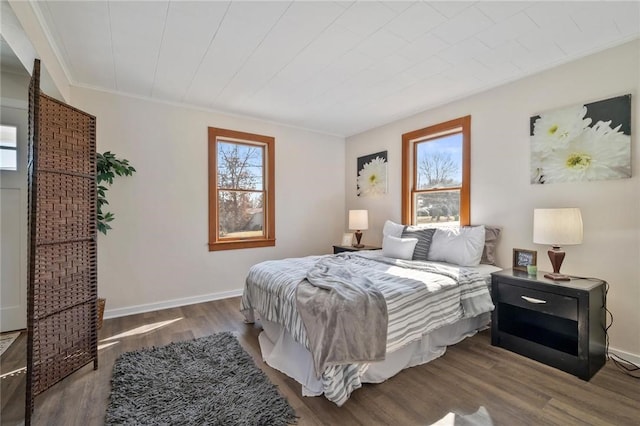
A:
472	374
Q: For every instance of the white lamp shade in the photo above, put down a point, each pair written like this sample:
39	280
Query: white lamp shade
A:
358	219
557	227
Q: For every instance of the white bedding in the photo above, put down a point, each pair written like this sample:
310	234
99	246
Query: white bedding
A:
422	297
283	353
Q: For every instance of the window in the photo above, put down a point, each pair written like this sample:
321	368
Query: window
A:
241	190
8	148
436	174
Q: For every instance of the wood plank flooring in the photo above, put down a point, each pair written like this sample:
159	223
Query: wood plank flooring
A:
472	374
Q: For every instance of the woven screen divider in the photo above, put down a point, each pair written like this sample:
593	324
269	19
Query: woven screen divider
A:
62	292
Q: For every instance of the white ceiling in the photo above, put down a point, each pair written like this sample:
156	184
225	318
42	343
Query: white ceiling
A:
336	67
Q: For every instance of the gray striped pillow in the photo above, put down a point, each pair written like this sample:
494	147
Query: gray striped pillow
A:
424	236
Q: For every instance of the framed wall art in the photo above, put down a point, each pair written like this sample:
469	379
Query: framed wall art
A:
372	174
583	142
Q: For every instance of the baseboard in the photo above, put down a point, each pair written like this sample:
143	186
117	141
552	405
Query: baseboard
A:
634	358
148	307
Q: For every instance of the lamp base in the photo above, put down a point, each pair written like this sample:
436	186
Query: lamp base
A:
358	234
558	277
556	256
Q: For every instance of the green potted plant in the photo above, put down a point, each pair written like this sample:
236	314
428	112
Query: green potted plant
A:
108	167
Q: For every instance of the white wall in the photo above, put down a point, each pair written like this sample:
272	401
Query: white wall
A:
14	89
156	255
500	190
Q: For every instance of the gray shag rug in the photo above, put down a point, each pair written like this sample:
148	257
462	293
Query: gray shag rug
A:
206	381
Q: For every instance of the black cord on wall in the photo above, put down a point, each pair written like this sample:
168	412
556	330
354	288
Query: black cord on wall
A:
629	368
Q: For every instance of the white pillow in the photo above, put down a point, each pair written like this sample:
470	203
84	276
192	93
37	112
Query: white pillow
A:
398	248
393	229
460	246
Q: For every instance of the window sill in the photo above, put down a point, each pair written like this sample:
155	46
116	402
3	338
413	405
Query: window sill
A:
234	245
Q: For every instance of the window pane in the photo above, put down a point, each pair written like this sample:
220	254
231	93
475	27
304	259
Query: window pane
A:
8	146
240	166
438	208
439	162
241	214
8	159
8	136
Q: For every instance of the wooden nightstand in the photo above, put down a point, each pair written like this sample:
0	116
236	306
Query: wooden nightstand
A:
559	323
340	249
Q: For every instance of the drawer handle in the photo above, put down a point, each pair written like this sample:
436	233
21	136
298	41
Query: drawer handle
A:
533	300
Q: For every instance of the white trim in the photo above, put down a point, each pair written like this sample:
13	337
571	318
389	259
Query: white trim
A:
148	307
634	358
201	108
37	12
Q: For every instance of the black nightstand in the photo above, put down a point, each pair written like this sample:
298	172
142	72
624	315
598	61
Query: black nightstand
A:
340	249
559	323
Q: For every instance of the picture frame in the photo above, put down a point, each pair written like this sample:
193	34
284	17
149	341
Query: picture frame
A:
523	258
371	178
347	239
582	142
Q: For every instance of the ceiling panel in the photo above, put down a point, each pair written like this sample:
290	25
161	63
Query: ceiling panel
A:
425	46
464	50
380	44
296	29
336	67
419	19
137	30
507	30
188	33
365	18
464	25
324	50
244	27
628	23
498	11
82	34
450	9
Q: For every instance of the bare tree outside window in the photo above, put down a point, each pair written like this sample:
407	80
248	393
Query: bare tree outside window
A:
438	170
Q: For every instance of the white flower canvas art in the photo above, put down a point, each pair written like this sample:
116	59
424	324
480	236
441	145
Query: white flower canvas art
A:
372	174
582	143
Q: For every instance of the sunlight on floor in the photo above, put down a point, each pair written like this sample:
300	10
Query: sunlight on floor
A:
106	345
141	330
479	418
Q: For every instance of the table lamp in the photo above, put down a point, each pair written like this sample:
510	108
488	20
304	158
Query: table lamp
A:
557	227
358	220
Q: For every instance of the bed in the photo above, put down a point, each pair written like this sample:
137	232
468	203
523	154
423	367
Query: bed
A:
334	322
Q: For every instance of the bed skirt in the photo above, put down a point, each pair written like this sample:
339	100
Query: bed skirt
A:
281	352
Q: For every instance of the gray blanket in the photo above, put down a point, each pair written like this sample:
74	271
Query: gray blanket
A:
344	314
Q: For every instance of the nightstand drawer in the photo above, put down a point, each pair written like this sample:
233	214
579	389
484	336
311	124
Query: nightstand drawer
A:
548	303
